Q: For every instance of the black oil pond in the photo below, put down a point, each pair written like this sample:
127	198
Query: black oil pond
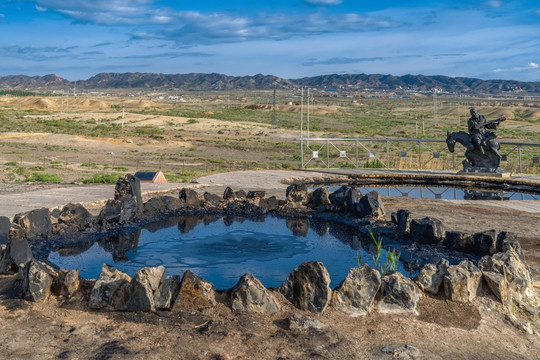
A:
221	249
446	192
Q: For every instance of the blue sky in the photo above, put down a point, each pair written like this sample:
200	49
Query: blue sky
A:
76	39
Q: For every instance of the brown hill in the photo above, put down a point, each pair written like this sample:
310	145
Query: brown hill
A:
411	84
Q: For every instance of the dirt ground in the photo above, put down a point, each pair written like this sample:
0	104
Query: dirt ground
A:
65	329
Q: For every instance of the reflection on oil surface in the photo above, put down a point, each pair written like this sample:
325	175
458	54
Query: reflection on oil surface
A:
445	192
221	249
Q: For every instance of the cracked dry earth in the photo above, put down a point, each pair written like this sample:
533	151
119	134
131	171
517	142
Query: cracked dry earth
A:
66	329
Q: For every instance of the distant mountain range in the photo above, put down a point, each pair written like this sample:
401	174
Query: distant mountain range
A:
208	82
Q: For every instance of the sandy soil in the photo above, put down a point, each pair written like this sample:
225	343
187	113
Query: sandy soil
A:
443	330
66	329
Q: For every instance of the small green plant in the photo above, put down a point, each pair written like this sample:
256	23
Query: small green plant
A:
176	178
514	307
390	263
374	164
102	179
43	177
12	163
90	165
192	121
120	168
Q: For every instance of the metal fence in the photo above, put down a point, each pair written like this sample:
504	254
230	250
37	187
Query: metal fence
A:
398	153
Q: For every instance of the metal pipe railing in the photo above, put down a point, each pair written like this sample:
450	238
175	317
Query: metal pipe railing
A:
361	146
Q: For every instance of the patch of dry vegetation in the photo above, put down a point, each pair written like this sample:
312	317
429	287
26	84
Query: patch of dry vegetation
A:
213	132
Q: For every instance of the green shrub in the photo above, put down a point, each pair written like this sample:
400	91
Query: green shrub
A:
175	178
90	165
148	130
383	265
102	179
374	164
120	168
43	177
12	163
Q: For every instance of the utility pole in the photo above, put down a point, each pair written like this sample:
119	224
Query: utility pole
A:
302	115
459	111
123	114
274	119
434	106
308	114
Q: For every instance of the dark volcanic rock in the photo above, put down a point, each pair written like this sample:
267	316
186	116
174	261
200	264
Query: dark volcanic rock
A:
162	205
356	293
165	296
251	296
16	255
228	194
190	198
110	290
463	282
256	194
403	219
297	194
339	198
459	241
507	240
212	198
431	276
129	186
370	205
427	230
120	211
240	194
142	288
319	198
308	287
485	242
67	283
271	203
195	292
5	225
508	277
399	294
35	223
75	216
37	281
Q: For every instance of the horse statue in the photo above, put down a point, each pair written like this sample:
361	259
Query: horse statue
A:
481	146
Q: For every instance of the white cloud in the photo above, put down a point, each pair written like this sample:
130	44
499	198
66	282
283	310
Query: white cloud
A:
193	27
493	3
529	66
325	2
109	12
40	8
2	16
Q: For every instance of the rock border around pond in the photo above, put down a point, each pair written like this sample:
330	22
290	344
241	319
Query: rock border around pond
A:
501	269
